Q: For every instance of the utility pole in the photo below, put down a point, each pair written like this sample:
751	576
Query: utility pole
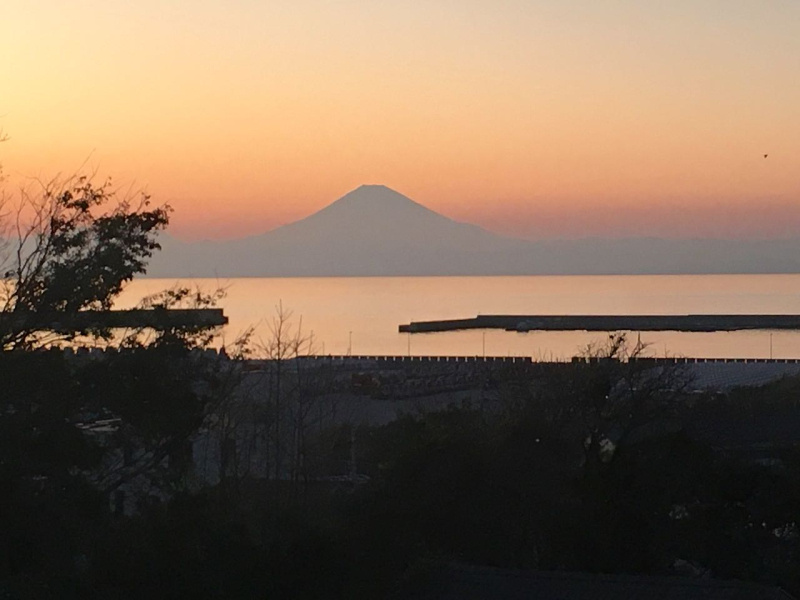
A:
350	344
770	345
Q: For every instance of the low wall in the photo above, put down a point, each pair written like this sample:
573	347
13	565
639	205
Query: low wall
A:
97	353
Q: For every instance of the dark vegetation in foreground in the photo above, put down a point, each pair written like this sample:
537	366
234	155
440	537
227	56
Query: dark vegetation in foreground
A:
531	483
600	467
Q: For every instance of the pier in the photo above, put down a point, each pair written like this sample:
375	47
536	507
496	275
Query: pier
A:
153	318
684	323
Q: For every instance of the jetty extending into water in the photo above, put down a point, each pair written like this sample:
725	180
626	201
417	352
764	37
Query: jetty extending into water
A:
151	318
687	323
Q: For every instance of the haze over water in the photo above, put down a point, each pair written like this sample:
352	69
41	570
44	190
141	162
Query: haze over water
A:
373	307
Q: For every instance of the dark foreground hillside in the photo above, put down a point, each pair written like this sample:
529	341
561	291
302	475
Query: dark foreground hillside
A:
593	469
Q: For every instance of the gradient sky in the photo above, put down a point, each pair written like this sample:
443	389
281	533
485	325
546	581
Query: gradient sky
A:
550	118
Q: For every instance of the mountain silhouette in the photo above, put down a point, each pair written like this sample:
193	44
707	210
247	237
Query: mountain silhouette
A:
376	231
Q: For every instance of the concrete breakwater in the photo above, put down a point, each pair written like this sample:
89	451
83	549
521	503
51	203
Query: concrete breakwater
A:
687	323
151	318
410	376
424	375
527	360
411	360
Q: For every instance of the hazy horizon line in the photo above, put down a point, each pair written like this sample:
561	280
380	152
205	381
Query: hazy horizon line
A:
205	238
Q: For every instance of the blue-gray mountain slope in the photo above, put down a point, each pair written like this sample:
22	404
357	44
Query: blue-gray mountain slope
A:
375	231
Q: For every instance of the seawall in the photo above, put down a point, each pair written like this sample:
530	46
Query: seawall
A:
687	323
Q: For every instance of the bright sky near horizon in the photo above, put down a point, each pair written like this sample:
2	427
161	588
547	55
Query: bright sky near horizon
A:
548	118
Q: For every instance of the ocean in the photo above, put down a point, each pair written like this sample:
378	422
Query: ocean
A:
360	315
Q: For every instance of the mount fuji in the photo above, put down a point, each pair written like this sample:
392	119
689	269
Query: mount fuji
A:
376	231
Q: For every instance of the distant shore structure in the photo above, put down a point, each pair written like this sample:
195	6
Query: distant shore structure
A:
682	323
152	318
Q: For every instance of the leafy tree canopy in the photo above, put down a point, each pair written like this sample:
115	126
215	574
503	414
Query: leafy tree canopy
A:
69	247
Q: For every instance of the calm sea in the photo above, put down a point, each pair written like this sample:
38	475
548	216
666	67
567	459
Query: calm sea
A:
362	314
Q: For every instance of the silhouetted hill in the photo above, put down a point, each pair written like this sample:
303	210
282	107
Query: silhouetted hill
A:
374	231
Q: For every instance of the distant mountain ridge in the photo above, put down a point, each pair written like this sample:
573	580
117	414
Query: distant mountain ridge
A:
376	231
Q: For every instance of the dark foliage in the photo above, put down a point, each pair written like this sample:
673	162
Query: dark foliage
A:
70	250
506	487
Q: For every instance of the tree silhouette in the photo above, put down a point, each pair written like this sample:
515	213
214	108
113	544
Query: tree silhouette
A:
69	246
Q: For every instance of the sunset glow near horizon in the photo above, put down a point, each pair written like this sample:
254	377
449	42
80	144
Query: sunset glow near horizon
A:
556	118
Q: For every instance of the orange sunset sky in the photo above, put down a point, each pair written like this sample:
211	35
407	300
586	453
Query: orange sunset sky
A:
543	119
